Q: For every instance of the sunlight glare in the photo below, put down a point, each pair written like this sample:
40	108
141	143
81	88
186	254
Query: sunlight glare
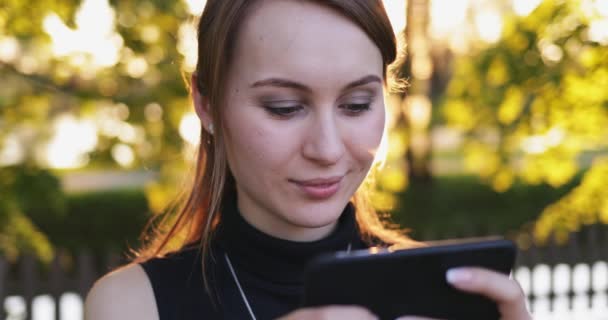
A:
534	145
94	35
447	16
598	31
190	128
195	7
70	143
523	8
123	155
137	67
551	52
9	49
127	133
489	25
381	154
187	46
12	151
537	144
554	136
396	14
602	7
419	111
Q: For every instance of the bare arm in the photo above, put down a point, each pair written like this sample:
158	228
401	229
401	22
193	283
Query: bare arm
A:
123	294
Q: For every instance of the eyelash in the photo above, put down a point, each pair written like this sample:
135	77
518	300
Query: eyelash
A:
357	108
352	109
283	111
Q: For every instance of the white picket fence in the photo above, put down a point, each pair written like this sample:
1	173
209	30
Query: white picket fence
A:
565	292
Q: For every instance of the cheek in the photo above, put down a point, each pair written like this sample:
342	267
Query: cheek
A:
365	138
254	149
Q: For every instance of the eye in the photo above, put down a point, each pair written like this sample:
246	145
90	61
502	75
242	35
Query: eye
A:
356	108
283	111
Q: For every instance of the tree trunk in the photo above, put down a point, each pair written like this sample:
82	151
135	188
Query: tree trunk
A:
417	108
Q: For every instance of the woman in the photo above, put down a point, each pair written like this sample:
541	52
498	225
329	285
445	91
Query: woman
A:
290	97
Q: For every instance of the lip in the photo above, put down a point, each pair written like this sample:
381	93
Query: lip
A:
319	188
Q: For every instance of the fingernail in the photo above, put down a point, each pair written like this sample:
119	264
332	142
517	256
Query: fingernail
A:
458	275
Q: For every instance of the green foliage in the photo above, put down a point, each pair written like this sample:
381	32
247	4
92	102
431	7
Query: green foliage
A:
26	189
532	103
585	205
460	205
538	96
96	221
135	103
529	105
34	94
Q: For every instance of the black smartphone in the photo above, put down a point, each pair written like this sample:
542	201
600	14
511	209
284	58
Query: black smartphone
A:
409	281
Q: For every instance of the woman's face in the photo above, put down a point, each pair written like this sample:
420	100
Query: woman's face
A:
304	116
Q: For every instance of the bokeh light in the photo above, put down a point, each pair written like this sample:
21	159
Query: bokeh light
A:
602	7
489	25
186	45
9	49
71	142
153	112
195	7
12	150
537	144
123	155
94	35
525	7
447	16
190	128
598	31
396	14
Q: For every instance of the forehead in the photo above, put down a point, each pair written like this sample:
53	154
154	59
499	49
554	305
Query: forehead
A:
305	40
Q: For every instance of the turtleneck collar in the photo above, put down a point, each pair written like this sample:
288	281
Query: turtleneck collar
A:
278	260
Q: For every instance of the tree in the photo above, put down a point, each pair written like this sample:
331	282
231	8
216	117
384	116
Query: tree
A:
86	83
417	104
534	104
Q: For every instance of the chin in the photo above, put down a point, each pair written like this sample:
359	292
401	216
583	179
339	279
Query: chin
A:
318	214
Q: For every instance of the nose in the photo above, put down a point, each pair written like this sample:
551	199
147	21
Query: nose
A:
324	144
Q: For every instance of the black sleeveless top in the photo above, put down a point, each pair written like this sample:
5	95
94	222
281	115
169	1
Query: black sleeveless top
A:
270	271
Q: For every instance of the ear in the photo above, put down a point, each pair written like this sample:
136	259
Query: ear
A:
201	104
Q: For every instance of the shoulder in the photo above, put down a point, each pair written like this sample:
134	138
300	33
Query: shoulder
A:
122	294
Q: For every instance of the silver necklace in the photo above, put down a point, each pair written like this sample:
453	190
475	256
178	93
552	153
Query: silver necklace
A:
238	283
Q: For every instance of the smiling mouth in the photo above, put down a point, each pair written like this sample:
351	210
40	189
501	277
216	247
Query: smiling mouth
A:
319	189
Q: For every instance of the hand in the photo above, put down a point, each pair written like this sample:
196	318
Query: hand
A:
331	312
506	292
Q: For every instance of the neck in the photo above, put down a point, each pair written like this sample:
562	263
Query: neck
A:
279	260
280	227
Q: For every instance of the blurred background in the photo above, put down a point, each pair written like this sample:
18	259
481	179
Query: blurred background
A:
503	131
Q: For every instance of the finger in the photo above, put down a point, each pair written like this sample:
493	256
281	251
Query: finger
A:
496	286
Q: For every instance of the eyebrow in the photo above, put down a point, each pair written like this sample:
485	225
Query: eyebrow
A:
284	83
